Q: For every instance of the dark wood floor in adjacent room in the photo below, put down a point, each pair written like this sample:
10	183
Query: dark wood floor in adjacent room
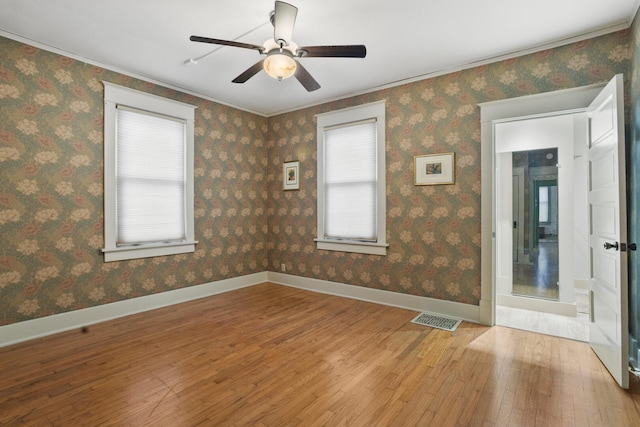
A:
271	355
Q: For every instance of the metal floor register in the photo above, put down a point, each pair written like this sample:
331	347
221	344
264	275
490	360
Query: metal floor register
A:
436	322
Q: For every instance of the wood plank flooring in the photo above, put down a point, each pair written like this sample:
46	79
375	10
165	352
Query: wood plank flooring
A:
538	279
271	355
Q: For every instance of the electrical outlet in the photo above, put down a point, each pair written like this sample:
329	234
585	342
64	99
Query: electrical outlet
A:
283	267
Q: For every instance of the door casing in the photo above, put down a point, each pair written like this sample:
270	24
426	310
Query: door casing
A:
564	101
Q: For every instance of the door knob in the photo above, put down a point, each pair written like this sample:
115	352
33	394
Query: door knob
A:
608	245
632	246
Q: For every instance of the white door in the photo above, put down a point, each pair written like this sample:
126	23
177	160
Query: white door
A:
609	334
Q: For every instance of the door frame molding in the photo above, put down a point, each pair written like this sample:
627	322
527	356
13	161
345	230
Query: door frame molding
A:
518	172
565	101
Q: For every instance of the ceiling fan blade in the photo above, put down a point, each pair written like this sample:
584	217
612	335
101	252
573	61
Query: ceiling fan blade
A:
348	51
250	72
303	76
226	43
284	20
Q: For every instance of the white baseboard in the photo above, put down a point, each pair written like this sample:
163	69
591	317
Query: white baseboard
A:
30	329
411	302
581	284
537	304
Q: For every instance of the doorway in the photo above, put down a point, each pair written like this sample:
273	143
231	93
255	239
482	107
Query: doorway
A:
537	177
606	220
536	270
536	253
573	100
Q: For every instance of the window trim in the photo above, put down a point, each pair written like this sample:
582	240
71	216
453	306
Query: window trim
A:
374	110
115	95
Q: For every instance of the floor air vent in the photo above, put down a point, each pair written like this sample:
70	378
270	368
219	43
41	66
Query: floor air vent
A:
437	322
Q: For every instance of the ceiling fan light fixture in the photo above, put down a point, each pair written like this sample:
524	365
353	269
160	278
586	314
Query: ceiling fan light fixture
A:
281	51
280	64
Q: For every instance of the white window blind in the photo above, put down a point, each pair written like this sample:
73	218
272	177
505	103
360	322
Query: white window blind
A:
150	177
543	200
350	182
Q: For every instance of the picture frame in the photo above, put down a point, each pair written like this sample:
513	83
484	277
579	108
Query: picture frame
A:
434	169
291	175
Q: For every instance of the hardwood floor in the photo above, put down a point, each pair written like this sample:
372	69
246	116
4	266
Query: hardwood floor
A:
540	278
271	355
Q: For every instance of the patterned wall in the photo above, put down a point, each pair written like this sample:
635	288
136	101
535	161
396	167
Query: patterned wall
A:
433	231
51	136
51	183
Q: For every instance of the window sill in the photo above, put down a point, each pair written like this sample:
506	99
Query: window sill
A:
147	251
351	246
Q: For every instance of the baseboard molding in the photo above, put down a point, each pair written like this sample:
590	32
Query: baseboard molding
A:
36	328
30	329
581	284
411	302
537	304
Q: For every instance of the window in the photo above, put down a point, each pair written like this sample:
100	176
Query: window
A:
543	204
351	180
148	175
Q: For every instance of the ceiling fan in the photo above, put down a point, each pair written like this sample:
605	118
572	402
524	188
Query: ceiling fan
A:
281	52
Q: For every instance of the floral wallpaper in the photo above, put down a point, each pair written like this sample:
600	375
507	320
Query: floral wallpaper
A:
51	182
433	231
51	191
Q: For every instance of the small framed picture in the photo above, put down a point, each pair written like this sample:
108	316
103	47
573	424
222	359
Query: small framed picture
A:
433	169
291	175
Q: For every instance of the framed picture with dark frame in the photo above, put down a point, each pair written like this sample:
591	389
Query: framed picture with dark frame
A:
291	175
434	169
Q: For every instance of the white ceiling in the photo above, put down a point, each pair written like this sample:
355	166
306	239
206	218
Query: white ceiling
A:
406	40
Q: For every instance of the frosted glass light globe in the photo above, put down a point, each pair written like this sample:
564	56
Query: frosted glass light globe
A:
280	65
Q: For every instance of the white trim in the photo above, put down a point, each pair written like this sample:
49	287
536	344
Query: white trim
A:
537	304
44	326
543	104
352	246
360	113
115	95
36	328
147	101
598	32
449	309
581	284
123	253
119	70
537	105
376	111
